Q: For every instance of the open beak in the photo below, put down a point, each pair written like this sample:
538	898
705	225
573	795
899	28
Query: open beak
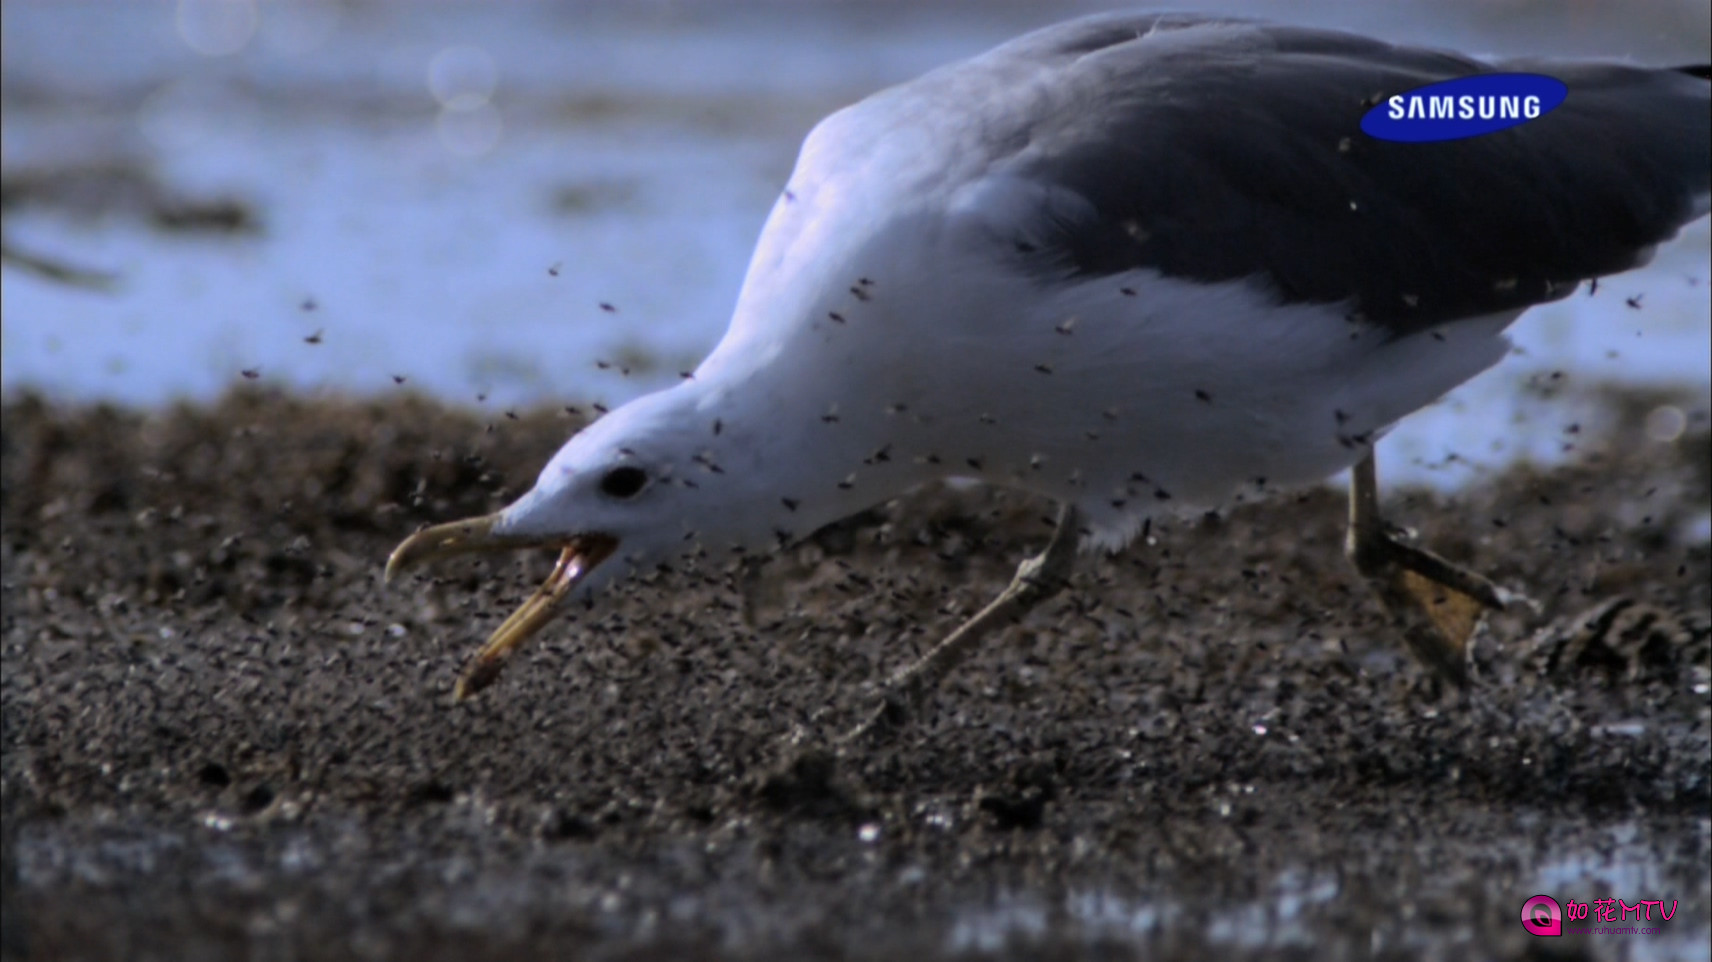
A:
578	555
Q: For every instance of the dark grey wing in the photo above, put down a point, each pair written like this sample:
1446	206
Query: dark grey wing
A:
1217	149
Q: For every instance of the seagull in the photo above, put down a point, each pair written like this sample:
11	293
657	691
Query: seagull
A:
1133	262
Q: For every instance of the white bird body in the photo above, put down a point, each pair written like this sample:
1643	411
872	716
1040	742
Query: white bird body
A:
1175	396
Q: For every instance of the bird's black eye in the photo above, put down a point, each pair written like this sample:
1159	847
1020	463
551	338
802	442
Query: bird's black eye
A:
623	482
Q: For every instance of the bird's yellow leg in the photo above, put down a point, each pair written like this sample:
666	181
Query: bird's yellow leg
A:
1037	579
1435	604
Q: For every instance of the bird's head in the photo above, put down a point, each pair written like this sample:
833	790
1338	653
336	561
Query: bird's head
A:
636	488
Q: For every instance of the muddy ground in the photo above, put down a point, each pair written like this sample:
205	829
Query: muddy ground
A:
224	737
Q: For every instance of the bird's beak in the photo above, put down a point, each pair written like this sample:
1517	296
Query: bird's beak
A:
578	555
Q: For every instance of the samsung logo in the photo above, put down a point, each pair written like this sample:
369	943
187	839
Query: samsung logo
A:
1464	107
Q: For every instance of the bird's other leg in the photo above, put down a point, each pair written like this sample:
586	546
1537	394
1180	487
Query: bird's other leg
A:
1435	604
1037	579
751	587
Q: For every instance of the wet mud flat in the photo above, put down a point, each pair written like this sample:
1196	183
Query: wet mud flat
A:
225	738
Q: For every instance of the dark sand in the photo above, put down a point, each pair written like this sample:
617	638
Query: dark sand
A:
223	737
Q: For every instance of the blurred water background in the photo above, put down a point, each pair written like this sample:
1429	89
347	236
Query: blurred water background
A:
508	203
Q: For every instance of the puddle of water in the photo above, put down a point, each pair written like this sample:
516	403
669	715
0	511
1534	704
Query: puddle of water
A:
1430	894
1619	860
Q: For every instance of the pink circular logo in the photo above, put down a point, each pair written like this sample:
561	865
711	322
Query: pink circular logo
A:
1541	915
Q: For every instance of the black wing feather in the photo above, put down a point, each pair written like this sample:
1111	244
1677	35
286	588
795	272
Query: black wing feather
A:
1215	150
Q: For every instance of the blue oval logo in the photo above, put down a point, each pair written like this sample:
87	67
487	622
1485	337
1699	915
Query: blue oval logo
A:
1464	107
